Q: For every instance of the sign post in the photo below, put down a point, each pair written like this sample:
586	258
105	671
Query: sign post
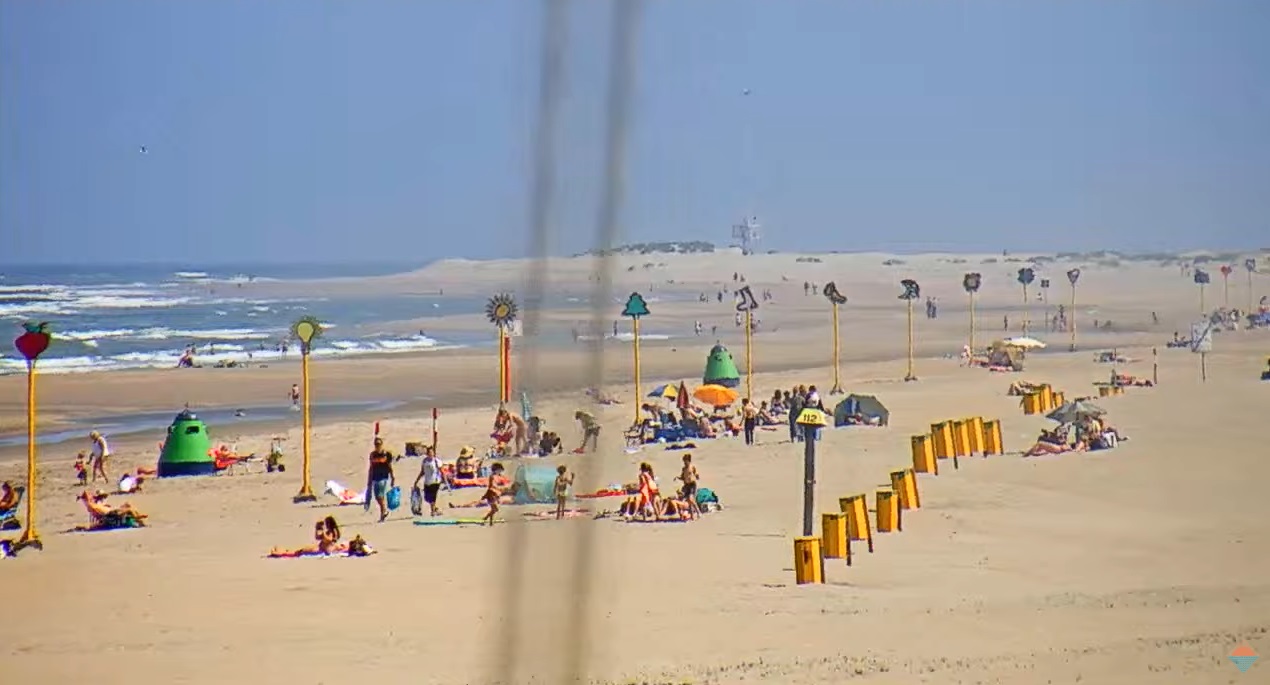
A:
306	330
1202	343
1073	275
1226	270
34	340
912	291
1202	279
812	420
1026	275
1250	265
971	282
835	299
747	304
636	308
501	310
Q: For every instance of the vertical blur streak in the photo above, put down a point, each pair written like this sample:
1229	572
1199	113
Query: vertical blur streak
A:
550	87
624	23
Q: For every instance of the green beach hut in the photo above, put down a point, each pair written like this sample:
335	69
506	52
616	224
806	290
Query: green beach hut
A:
721	369
187	451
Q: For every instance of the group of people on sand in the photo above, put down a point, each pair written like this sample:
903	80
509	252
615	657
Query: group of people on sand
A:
1086	433
647	504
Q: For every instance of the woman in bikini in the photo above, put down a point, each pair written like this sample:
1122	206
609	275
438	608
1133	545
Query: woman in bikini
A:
326	537
649	502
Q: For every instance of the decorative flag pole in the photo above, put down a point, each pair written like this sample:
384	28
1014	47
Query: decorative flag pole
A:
1026	275
501	310
1202	279
31	344
1226	270
971	282
912	291
434	429
1073	275
636	308
1250	265
835	300
306	330
747	304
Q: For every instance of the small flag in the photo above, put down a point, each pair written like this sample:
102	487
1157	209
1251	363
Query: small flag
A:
1243	657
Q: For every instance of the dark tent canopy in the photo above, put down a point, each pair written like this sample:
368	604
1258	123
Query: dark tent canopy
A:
866	406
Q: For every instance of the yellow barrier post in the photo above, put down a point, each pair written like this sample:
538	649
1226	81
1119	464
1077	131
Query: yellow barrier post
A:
834	535
1032	403
904	483
1104	391
1047	398
992	438
856	507
941	436
961	438
808	564
1059	399
974	425
888	512
924	455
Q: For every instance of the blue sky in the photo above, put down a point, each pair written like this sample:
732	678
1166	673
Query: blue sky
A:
323	131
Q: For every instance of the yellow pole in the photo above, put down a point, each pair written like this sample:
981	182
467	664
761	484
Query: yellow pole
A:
910	376
29	537
1249	293
638	393
837	350
502	363
749	354
972	324
1071	319
306	487
1027	310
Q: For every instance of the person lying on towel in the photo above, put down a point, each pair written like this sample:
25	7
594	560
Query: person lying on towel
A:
102	516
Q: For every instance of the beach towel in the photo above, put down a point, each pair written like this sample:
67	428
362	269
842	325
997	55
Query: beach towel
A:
449	522
551	514
343	554
343	494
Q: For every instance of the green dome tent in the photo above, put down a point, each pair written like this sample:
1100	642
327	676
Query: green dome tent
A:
866	406
720	369
187	449
535	484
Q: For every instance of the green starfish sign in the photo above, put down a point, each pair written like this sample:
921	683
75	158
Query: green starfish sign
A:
635	306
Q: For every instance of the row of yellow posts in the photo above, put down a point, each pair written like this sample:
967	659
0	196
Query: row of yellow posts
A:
1043	400
1110	390
947	440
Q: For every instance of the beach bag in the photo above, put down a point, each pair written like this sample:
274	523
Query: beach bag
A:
394	498
416	501
707	500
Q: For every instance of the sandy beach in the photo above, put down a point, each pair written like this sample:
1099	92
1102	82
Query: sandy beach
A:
1143	564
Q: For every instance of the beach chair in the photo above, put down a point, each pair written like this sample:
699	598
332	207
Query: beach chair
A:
9	517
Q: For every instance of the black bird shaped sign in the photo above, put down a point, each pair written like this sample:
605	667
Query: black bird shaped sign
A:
831	293
912	290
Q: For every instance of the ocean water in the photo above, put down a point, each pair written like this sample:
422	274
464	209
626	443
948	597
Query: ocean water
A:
144	316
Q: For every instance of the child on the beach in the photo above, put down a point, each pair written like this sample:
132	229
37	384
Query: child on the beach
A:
81	468
564	479
492	493
689	476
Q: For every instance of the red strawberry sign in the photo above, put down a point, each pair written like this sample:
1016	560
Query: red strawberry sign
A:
1226	269
34	341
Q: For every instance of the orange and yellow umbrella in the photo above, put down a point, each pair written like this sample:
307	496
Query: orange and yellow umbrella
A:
716	395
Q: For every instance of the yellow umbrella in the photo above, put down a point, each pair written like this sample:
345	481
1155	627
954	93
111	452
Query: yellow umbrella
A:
715	395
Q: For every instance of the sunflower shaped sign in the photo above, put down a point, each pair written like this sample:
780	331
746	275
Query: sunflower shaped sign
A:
971	281
501	310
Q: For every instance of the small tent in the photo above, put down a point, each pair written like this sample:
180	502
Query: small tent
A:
187	451
721	369
534	484
1005	356
867	406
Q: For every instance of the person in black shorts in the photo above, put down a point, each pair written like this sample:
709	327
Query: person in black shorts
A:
689	476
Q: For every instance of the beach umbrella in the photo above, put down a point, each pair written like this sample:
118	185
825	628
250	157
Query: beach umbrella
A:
682	397
1074	410
715	395
664	391
1026	343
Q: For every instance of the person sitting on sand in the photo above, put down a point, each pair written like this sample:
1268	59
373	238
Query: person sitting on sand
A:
102	515
9	497
1055	442
503	431
685	510
466	466
326	537
549	444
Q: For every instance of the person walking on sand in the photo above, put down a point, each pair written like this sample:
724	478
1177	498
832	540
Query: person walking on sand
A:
100	455
379	478
295	397
564	480
492	492
689	477
430	475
